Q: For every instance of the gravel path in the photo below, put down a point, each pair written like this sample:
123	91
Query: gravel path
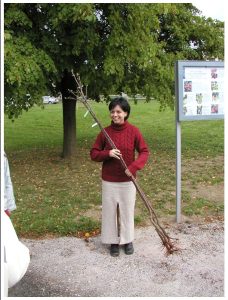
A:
71	267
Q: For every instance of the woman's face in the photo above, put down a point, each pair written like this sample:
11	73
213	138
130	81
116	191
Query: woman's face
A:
117	115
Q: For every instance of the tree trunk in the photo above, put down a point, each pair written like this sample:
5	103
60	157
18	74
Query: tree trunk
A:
69	115
69	127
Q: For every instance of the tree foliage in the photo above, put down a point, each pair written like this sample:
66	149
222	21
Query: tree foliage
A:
27	66
115	47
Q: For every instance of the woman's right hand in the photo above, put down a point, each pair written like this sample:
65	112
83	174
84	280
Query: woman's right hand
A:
115	153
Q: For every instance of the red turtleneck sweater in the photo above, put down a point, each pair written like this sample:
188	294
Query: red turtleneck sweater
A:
127	139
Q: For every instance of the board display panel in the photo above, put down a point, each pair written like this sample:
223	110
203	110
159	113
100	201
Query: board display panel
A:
199	90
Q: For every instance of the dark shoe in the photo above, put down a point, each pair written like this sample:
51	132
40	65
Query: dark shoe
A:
129	249
114	250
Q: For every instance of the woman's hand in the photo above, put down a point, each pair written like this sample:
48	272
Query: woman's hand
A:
115	153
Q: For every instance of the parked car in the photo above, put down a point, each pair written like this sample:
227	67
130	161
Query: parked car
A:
50	100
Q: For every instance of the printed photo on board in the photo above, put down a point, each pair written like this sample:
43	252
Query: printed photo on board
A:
188	86
214	73
214	108
199	98
199	110
215	96
214	85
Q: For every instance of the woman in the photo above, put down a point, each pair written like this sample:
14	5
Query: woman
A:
118	191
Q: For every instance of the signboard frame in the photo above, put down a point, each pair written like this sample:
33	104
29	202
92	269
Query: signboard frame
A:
180	116
181	65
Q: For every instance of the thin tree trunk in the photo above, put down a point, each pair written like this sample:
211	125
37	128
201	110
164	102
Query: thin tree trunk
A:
69	115
69	127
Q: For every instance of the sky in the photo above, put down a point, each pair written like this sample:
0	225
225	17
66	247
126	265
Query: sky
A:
214	9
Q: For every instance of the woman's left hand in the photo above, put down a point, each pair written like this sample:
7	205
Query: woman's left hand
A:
128	173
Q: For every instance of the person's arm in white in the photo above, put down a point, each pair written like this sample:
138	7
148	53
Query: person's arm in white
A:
9	199
17	255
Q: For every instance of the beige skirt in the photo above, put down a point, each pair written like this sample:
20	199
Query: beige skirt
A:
122	195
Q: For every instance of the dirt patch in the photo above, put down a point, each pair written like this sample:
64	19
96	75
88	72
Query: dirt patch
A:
94	213
202	163
210	192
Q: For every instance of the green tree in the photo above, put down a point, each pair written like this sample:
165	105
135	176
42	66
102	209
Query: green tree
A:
116	48
27	67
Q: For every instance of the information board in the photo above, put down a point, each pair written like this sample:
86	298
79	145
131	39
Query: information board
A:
199	90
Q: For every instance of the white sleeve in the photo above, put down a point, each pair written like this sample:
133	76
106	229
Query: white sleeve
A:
17	255
9	199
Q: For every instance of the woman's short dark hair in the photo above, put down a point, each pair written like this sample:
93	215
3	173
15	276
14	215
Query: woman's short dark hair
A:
123	103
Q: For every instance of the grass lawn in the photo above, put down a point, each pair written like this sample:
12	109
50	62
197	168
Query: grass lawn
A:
62	197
